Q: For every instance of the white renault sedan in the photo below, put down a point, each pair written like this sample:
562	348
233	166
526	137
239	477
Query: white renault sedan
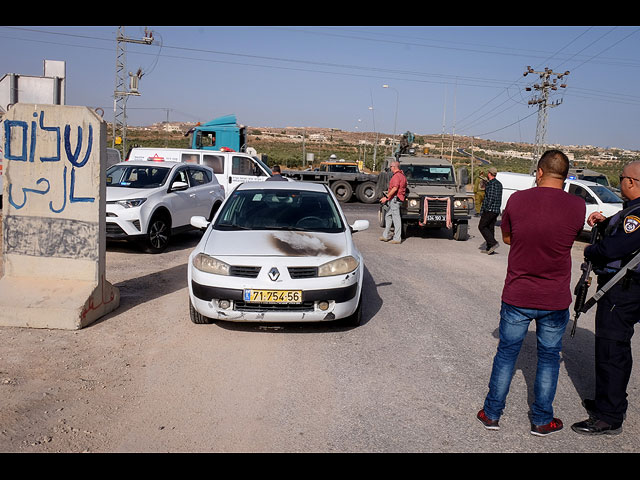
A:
277	252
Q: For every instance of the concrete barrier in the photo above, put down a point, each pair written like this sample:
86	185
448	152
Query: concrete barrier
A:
53	268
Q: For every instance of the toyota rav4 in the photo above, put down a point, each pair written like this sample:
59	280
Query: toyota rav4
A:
149	201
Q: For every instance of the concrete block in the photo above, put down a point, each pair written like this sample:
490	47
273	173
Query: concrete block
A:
54	242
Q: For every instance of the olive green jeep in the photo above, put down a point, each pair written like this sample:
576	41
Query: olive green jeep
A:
436	196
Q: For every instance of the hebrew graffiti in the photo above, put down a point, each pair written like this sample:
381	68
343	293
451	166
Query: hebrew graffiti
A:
20	145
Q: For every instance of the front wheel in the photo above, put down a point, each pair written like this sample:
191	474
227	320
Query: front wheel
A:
158	234
197	317
355	319
460	231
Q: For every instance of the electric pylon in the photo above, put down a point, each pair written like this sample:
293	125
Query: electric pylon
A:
548	83
121	93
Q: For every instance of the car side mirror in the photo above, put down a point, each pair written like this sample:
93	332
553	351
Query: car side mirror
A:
199	222
359	225
178	186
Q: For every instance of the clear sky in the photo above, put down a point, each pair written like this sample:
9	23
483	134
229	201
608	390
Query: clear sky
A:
465	80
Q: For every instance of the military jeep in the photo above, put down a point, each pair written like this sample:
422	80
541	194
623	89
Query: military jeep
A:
434	198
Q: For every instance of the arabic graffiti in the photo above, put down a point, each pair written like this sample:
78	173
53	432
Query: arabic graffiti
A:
23	149
51	237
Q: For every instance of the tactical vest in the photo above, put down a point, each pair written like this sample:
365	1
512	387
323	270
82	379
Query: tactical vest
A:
622	220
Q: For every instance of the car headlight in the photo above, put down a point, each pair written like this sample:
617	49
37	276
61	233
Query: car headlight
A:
208	264
134	202
414	203
338	267
461	203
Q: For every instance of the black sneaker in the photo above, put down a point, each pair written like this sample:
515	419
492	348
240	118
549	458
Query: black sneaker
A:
487	422
593	426
553	426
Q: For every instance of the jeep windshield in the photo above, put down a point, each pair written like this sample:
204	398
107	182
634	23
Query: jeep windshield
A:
428	173
136	176
267	209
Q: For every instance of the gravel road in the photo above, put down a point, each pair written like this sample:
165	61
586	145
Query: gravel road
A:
410	379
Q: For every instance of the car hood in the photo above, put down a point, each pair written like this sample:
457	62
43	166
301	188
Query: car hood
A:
432	190
125	193
278	243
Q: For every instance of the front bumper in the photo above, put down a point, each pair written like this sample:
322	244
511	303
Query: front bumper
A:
340	295
123	223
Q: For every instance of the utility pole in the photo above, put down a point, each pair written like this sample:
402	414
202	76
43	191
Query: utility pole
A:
121	92
548	83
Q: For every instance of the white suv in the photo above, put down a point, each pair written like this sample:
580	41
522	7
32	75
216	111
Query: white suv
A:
150	201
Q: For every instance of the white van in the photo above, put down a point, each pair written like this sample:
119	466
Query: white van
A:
598	198
230	168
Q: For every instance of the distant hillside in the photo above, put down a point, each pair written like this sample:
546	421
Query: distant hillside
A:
294	146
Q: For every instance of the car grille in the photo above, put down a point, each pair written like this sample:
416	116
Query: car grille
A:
438	207
242	306
243	271
303	272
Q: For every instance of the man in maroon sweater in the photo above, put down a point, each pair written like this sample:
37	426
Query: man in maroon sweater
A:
540	224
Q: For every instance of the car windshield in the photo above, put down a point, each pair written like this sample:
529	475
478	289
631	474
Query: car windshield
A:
606	195
428	173
280	210
137	176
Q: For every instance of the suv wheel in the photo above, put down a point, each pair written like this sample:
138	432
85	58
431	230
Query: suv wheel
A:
460	232
158	234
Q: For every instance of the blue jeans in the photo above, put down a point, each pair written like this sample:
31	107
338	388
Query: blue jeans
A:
514	322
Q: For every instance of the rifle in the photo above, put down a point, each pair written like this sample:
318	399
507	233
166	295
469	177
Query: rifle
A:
582	287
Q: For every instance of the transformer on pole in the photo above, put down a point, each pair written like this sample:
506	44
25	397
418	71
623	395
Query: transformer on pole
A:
548	83
122	92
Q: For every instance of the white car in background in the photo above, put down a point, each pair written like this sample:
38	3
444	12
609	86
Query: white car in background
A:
150	201
277	252
597	197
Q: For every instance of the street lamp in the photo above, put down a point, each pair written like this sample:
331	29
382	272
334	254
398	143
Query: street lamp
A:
375	146
395	121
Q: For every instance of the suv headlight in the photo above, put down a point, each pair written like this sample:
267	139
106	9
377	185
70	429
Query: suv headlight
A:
338	267
134	202
461	203
208	264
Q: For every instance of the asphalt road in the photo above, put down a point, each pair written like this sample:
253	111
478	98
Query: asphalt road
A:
411	378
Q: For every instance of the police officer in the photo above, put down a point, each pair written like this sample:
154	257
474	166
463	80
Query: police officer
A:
618	310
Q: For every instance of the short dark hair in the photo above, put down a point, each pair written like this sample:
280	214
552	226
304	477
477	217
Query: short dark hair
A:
554	163
275	169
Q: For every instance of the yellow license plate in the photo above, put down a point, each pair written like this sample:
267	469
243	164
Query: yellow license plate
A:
273	296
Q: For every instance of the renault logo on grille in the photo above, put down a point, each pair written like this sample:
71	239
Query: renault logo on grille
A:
274	274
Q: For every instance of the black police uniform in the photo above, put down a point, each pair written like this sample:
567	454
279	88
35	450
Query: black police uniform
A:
617	312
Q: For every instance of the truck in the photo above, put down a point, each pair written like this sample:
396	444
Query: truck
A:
436	196
230	168
222	133
597	197
345	179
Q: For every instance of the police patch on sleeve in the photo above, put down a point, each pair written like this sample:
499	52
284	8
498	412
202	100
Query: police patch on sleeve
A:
631	224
